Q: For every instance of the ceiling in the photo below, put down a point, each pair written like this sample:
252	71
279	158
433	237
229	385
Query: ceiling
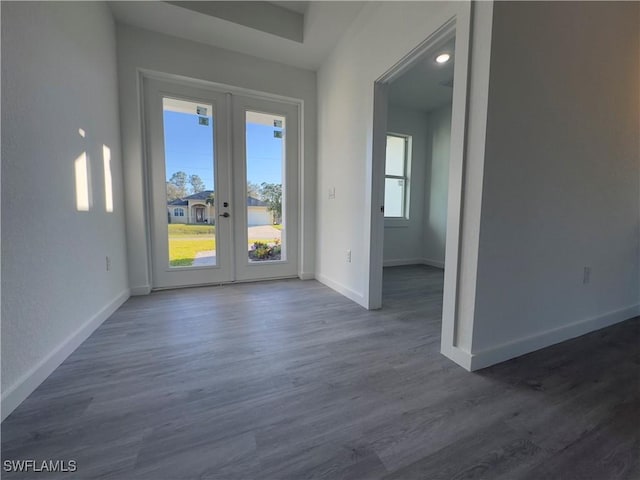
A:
427	85
298	7
262	29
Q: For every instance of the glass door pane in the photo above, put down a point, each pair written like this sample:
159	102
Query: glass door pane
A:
265	136
191	210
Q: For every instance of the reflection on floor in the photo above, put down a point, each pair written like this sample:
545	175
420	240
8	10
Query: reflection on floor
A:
289	380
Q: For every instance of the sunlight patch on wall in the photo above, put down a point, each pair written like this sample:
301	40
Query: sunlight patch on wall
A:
108	184
83	197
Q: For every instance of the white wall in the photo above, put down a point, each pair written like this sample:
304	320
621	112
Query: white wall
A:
561	176
58	75
403	240
142	49
437	186
381	36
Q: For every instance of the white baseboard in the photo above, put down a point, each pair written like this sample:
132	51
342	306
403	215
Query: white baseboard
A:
459	356
396	262
21	389
433	263
141	290
341	289
507	351
306	276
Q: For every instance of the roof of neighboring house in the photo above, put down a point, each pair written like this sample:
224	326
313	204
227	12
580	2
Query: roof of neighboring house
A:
195	196
203	195
254	202
251	201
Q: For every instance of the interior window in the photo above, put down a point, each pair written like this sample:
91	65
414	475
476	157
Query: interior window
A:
396	179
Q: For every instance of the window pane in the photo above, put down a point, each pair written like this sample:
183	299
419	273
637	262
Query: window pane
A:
188	150
395	156
394	197
266	218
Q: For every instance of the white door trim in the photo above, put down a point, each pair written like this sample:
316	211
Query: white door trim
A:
288	267
215	86
164	276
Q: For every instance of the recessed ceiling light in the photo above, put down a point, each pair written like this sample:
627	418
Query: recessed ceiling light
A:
443	58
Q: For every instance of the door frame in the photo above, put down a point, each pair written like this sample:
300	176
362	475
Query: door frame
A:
147	74
460	27
290	179
164	276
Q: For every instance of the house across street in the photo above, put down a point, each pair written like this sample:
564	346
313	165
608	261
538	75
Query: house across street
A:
200	208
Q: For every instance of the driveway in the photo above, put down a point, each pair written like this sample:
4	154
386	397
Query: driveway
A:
264	232
204	258
207	258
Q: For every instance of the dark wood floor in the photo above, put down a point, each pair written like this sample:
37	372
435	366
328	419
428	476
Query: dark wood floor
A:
289	380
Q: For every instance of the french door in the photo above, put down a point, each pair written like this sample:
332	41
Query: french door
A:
223	185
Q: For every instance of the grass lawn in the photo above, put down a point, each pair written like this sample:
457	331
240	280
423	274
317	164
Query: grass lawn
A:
182	229
187	240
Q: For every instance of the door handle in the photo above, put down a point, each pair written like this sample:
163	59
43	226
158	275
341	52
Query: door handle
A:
225	215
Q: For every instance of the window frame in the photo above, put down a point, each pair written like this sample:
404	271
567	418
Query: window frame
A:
402	221
178	209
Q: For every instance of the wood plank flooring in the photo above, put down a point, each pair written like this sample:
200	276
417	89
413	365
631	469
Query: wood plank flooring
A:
289	380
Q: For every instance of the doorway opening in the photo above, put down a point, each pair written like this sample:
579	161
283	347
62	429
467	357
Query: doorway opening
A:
416	180
417	174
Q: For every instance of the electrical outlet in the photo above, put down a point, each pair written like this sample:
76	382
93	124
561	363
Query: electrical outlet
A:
108	263
332	193
586	276
349	256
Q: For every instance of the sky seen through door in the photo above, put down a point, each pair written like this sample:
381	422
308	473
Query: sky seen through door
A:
189	149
